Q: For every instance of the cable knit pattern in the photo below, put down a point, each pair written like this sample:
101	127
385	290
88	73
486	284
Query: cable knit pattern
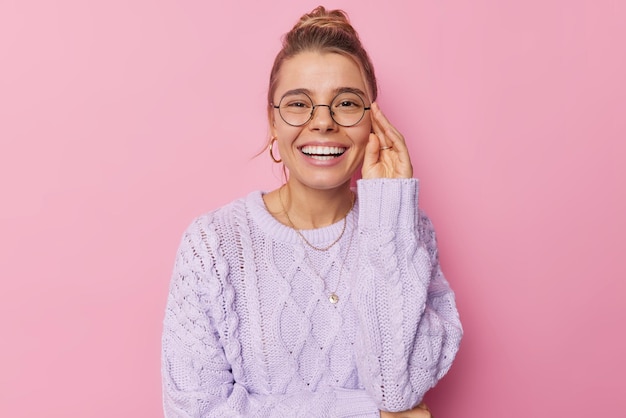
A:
249	330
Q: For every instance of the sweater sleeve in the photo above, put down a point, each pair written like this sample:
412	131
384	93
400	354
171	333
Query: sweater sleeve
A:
197	378
409	326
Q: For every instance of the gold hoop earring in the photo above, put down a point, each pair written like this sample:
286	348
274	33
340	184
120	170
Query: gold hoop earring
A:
272	151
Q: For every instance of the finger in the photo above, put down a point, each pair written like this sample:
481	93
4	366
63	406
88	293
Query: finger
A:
423	406
383	122
426	410
393	139
377	129
381	127
388	133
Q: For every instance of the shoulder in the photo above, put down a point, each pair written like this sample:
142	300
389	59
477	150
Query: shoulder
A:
227	215
217	227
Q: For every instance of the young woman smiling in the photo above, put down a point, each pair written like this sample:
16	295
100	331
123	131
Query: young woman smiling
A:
314	299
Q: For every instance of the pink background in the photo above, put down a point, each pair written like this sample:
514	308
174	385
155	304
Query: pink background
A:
121	120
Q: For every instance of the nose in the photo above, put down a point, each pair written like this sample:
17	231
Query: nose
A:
322	120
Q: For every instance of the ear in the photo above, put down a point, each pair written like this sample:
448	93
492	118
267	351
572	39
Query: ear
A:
271	120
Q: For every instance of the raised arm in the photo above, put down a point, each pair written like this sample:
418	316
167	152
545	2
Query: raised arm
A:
409	326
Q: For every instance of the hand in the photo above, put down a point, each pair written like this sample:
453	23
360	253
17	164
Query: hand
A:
420	411
393	162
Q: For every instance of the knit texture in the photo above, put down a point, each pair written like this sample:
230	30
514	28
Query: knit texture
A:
249	330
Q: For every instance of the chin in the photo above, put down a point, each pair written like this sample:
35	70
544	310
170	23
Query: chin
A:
327	184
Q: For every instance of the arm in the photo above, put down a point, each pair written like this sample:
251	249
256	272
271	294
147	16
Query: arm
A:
409	326
410	329
198	379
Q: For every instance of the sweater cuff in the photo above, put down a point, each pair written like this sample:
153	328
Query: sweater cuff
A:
387	203
354	403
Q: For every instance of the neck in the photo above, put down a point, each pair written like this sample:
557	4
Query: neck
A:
312	208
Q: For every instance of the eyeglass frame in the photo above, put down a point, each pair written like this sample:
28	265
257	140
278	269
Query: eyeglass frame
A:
314	106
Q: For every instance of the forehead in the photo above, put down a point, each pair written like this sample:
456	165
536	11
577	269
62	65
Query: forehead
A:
322	74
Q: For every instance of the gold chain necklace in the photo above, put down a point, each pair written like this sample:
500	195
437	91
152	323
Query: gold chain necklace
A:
299	232
333	297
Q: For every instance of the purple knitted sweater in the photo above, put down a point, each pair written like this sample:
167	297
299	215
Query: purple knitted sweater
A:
249	329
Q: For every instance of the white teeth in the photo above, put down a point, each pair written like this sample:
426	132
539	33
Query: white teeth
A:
319	151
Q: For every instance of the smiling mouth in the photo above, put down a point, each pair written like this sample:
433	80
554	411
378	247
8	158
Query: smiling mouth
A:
322	153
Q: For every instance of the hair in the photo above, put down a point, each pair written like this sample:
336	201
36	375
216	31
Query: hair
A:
323	30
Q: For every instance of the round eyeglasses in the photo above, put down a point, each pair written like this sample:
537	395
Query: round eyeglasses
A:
346	109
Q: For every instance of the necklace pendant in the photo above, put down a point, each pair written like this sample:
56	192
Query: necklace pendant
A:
333	298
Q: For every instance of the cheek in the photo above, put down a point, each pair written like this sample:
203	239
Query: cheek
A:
363	135
286	135
360	140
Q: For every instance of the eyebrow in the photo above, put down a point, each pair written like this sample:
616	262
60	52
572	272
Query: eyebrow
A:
335	91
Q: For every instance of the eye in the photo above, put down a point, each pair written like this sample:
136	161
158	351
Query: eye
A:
347	103
294	103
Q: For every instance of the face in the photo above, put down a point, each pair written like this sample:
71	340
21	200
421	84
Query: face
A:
321	154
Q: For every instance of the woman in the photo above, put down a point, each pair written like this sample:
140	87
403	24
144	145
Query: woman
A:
314	299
